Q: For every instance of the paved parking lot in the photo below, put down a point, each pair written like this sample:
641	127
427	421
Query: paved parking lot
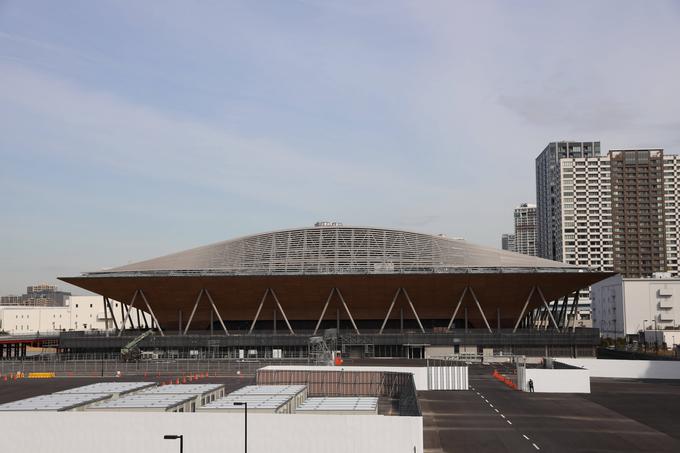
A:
493	418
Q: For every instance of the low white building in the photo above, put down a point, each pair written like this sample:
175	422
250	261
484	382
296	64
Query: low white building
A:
624	307
79	313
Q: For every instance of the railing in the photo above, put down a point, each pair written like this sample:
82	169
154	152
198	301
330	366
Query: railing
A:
148	368
337	382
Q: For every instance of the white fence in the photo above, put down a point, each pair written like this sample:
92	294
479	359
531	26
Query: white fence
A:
447	378
76	432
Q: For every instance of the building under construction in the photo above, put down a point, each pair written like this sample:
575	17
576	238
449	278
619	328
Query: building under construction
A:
381	292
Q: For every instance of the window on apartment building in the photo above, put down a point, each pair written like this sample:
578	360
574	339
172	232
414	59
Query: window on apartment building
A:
90	305
76	305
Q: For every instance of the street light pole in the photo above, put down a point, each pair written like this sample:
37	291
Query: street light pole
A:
245	437
176	436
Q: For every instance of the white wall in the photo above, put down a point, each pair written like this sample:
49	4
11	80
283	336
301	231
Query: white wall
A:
626	306
80	313
633	369
548	380
26	320
607	307
76	432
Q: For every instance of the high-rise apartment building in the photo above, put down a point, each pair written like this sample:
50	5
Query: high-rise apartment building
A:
619	212
584	236
508	242
525	229
671	182
638	211
549	193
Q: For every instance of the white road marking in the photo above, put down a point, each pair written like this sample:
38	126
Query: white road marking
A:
525	436
536	446
496	410
502	415
509	422
490	404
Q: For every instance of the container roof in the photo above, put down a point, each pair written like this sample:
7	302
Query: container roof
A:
269	390
344	403
335	250
184	389
54	402
144	401
254	402
109	387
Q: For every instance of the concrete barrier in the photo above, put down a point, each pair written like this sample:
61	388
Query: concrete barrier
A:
548	380
631	369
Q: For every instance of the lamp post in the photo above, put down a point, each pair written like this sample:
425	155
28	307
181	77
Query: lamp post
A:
176	436
245	437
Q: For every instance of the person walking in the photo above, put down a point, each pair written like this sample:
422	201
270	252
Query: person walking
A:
531	385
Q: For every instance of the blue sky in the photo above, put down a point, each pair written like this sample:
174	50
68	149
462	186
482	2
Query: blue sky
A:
134	129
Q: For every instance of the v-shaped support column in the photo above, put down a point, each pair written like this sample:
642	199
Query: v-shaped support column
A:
153	316
278	305
344	304
107	303
214	308
127	314
547	307
455	311
394	300
480	309
193	311
524	309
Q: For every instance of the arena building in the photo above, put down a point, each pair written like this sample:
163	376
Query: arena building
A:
384	290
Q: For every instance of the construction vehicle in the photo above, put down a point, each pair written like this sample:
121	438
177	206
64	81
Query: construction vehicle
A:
131	352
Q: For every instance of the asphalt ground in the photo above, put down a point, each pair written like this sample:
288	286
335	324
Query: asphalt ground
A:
493	418
655	403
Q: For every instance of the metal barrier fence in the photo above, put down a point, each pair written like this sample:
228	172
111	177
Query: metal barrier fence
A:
151	368
350	383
